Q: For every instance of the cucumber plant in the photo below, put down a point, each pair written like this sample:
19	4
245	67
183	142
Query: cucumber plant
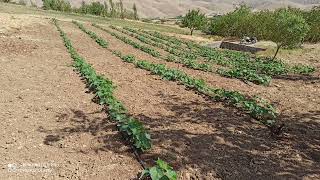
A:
161	171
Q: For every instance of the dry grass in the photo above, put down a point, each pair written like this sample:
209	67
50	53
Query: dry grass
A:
308	54
18	9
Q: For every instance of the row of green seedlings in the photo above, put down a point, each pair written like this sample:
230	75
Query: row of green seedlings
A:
259	71
178	43
104	92
217	55
256	107
189	60
156	34
238	59
151	41
103	89
143	48
162	42
194	47
93	35
238	70
158	40
226	57
261	65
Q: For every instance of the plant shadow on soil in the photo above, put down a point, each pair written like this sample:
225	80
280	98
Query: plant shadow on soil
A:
230	145
297	77
76	122
233	146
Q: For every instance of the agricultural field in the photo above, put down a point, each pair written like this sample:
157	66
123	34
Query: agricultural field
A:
84	97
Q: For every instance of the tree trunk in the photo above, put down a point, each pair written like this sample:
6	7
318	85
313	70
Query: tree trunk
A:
191	31
278	47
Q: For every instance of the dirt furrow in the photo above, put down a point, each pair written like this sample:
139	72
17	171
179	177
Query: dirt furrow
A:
200	138
50	128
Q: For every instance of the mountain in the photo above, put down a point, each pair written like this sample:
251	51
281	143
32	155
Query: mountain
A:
172	8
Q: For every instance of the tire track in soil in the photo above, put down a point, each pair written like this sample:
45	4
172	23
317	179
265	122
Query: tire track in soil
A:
46	116
201	139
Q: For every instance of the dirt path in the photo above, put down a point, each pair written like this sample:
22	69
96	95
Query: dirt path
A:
46	116
200	138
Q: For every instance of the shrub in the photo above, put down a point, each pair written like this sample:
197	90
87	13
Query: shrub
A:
96	8
58	5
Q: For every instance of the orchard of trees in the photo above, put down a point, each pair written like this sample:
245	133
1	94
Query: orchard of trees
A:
106	9
287	27
265	24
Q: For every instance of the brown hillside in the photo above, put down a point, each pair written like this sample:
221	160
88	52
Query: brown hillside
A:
171	8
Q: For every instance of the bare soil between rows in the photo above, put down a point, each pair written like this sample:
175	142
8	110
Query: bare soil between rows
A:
50	128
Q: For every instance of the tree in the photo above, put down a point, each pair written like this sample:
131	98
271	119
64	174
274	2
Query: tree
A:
135	12
287	29
112	8
57	5
96	8
238	23
260	23
194	20
313	19
121	10
105	4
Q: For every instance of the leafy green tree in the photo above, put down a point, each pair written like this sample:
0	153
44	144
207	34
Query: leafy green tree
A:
58	5
237	23
135	12
260	22
313	19
96	8
194	20
83	8
287	29
46	4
